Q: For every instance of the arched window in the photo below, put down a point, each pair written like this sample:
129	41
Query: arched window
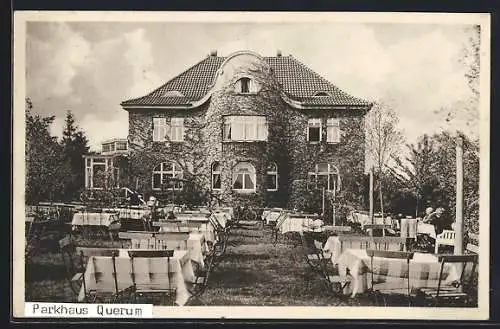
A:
272	177
324	175
167	173
216	176
244	177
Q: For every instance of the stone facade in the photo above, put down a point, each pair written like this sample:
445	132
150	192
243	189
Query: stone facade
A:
286	143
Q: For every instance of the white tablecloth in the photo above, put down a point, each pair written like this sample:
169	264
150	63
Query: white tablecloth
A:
411	226
271	216
129	213
293	224
93	219
195	245
424	271
149	273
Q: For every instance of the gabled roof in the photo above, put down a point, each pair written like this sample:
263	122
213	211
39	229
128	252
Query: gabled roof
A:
297	81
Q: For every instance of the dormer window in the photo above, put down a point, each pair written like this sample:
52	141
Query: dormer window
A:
245	86
173	93
322	94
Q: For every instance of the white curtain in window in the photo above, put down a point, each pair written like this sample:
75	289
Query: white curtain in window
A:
245	128
333	131
244	176
159	129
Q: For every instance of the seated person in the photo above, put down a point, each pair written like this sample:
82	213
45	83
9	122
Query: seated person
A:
429	211
440	221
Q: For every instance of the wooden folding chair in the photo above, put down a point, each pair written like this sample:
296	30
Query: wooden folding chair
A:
144	284
373	227
445	238
106	287
279	222
337	229
73	264
389	243
384	289
171	240
458	291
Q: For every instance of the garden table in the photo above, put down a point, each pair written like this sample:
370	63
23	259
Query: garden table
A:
93	219
149	273
294	224
410	227
271	216
424	271
195	245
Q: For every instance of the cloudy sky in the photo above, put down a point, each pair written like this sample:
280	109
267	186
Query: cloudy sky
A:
89	68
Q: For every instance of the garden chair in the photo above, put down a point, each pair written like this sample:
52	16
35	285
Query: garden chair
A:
389	243
354	242
74	265
151	276
108	284
373	227
279	222
460	291
337	229
170	240
384	289
445	238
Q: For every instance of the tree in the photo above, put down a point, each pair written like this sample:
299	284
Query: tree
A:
75	145
46	168
383	141
416	172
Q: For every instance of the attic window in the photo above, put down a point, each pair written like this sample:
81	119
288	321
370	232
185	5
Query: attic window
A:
321	94
173	93
244	86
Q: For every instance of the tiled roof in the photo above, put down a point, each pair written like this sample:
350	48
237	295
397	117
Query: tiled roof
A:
299	82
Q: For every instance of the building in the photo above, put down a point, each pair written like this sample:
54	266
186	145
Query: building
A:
247	127
103	169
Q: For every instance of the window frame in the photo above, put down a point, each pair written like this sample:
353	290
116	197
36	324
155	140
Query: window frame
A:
332	170
273	172
179	124
310	124
176	169
252	174
159	124
215	172
258	122
333	123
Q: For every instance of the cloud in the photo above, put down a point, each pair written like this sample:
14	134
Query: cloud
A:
99	130
55	62
140	57
418	74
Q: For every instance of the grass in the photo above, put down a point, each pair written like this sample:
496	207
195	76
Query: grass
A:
255	271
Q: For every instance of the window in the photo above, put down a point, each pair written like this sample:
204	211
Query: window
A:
159	129
167	173
324	175
177	129
216	176
321	94
333	131
272	177
244	177
245	128
314	130
108	147
244	85
121	146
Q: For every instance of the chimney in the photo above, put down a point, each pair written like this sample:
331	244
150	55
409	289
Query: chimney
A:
213	53
278	53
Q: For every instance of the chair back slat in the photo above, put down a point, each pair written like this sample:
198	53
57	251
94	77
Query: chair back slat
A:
457	258
151	253
90	251
392	243
390	254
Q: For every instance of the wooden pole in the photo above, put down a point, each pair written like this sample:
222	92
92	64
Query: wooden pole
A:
323	203
459	222
371	195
